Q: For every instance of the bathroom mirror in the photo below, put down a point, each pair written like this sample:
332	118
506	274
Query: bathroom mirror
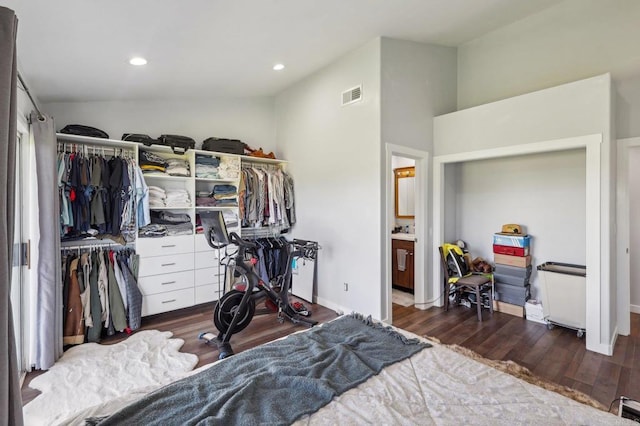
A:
405	189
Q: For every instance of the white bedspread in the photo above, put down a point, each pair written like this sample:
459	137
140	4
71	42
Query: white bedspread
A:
438	386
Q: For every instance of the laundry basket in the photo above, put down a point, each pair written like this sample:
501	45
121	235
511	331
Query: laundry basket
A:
564	295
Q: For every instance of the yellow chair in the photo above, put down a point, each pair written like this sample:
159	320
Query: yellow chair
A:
478	283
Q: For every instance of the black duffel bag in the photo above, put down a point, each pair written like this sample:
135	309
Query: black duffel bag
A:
179	144
229	146
139	138
80	130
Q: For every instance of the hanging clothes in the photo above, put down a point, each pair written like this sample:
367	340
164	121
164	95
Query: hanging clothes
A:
100	291
73	333
100	197
266	197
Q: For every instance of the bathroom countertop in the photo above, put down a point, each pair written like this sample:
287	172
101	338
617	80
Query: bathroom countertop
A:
403	236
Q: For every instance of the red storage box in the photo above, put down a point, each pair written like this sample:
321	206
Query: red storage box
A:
511	251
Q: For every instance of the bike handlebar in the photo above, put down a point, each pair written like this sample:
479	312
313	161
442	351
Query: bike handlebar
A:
235	238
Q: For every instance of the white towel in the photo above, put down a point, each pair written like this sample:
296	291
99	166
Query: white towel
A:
402	259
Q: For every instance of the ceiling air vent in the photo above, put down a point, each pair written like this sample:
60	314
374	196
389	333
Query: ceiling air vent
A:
352	95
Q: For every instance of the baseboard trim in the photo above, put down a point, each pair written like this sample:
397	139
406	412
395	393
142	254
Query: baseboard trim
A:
424	306
635	309
604	348
333	306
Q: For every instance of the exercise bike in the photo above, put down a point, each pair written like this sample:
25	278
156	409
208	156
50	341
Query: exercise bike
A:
236	308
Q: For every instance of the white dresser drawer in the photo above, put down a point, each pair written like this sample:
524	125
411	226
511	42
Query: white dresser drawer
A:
169	301
167	282
165	264
207	293
208	276
150	247
206	259
200	243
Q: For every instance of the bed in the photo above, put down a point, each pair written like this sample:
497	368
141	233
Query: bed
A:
430	385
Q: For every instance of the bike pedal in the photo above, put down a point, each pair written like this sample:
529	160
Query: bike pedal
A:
207	337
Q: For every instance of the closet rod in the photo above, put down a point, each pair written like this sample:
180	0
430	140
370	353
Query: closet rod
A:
41	116
92	246
95	148
262	232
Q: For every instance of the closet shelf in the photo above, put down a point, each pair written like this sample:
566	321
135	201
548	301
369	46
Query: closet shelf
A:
205	208
171	208
215	180
86	140
167	177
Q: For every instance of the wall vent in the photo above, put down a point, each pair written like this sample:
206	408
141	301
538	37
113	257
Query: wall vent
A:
352	95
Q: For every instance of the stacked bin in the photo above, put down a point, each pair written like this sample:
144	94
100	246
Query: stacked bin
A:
513	268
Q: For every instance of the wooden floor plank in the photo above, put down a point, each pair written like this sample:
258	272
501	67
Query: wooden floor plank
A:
556	355
607	380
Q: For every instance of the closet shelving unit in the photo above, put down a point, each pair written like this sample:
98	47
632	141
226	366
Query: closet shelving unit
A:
179	271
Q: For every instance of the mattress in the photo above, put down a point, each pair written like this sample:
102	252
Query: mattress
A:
437	386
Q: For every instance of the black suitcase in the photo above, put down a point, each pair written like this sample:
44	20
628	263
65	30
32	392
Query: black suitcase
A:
179	144
229	146
80	130
139	138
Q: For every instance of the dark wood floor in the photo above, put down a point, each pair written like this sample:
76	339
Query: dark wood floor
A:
556	355
187	324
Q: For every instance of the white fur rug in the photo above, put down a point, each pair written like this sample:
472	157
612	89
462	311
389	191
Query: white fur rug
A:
92	374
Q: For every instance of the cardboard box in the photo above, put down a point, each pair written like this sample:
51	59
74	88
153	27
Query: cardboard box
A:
507	308
511	240
534	312
518	261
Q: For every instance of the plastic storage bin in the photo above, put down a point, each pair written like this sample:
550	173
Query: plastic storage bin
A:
564	295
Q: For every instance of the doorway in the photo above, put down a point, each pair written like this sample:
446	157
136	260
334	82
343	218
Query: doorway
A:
628	241
414	228
593	246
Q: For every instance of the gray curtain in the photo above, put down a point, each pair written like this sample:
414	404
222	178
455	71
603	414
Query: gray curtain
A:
10	398
48	327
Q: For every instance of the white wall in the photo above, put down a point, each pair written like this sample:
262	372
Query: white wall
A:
627	106
335	157
575	39
544	192
397	162
248	119
579	108
418	83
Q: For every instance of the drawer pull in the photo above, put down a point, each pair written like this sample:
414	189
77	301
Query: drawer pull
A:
168	264
169	301
168	245
168	282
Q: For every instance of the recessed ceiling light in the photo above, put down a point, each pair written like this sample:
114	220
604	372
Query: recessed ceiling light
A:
138	61
278	67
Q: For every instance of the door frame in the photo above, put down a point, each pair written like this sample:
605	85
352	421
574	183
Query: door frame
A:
22	309
592	145
421	248
623	257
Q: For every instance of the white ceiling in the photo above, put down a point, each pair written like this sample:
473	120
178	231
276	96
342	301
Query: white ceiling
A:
78	50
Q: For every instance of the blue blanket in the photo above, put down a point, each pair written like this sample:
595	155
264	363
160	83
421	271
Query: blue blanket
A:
278	382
